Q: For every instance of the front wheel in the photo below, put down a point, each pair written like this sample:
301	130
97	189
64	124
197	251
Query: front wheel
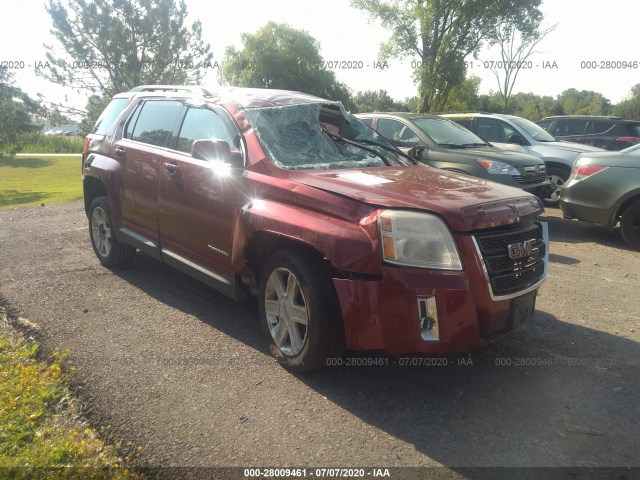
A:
630	225
108	249
557	177
299	311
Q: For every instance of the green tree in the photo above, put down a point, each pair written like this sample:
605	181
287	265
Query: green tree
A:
279	56
95	105
584	102
629	108
377	101
17	110
464	96
113	45
442	33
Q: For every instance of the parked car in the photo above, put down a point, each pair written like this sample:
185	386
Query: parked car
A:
445	144
604	188
610	133
522	135
346	242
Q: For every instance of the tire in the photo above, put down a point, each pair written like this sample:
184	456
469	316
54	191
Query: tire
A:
106	246
557	177
630	225
296	289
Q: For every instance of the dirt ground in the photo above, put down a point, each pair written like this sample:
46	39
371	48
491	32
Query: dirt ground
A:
167	364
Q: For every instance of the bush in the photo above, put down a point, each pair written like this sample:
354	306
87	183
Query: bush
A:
36	142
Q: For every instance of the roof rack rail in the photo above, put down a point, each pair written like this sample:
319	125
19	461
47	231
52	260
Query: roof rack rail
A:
173	88
463	111
610	117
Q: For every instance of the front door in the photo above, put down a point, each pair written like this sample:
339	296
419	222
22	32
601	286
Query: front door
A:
196	198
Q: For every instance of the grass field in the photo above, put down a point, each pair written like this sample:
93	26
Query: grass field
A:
35	180
40	434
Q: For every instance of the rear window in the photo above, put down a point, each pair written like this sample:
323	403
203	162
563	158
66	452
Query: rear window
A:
633	129
109	115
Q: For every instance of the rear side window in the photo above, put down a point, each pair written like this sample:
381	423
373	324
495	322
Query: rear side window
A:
367	121
153	121
109	115
570	126
601	127
545	124
465	122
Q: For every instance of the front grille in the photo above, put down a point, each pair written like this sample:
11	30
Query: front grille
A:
508	275
530	179
531	175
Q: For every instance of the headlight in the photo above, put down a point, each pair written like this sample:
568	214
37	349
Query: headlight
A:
417	240
497	168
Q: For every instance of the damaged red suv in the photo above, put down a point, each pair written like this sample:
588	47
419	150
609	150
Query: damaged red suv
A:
347	242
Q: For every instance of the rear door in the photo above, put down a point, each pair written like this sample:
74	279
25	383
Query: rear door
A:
146	135
197	198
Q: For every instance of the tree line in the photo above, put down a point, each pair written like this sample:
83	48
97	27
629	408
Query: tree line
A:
108	46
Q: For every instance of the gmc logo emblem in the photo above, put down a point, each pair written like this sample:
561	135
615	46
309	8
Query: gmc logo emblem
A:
521	250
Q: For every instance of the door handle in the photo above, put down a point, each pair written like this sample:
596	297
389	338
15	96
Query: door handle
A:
171	167
120	152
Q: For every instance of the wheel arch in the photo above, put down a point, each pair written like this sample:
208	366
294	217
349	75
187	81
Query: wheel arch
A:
264	243
92	188
629	199
553	163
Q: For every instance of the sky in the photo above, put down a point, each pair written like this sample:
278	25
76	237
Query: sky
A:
608	33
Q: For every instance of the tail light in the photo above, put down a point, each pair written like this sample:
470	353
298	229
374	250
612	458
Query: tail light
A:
85	147
630	140
580	172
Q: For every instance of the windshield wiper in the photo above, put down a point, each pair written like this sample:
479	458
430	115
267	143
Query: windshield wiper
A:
451	145
471	145
391	149
336	138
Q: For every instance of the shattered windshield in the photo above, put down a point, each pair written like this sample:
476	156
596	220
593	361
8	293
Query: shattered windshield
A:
319	136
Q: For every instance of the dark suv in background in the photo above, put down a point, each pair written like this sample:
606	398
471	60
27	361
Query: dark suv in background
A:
445	144
610	133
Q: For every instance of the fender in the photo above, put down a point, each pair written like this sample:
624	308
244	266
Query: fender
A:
107	171
349	246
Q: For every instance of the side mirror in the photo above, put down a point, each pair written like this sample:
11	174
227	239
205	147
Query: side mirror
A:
216	150
517	139
419	152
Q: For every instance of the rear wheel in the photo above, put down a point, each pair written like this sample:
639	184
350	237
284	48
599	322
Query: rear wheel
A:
557	177
299	311
108	249
630	225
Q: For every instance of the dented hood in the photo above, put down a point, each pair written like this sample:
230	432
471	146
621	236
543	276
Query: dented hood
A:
466	203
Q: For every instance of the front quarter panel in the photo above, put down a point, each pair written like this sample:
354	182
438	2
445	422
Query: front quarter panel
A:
350	247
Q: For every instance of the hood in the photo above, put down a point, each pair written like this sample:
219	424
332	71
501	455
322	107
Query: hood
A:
466	203
572	147
511	157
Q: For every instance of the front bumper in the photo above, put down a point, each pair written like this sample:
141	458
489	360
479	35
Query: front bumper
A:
384	314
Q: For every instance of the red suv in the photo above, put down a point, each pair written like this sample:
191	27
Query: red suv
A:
347	242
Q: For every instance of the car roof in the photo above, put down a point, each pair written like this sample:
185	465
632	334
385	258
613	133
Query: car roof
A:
407	115
460	115
599	117
244	97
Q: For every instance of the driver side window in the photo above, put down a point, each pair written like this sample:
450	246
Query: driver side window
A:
203	124
493	130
